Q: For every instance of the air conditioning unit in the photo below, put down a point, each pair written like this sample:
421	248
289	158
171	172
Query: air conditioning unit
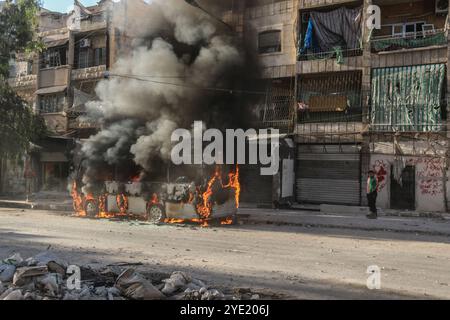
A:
85	43
442	6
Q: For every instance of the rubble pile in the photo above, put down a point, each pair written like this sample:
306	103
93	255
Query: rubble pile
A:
47	277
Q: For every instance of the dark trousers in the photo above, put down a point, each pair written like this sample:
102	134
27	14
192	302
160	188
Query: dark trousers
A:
372	200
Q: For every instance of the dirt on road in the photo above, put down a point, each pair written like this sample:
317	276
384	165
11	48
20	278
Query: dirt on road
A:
275	261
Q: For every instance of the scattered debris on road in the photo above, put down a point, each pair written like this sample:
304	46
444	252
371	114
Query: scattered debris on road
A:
46	277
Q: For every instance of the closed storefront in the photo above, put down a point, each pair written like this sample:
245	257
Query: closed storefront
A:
328	174
256	188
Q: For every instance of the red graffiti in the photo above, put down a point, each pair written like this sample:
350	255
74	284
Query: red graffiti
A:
380	170
430	176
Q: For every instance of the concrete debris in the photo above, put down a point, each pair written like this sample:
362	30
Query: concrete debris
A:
134	286
44	277
14	295
25	274
203	294
2	288
178	280
15	260
7	272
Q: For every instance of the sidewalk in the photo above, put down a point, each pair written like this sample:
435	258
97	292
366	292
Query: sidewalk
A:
57	201
419	225
354	218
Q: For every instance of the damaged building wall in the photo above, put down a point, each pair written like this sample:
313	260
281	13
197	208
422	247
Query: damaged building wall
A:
415	177
429	191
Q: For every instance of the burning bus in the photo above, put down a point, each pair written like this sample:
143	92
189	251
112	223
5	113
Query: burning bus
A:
183	200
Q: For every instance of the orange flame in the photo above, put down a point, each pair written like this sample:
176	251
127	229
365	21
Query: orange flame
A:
78	200
227	221
233	182
205	207
122	203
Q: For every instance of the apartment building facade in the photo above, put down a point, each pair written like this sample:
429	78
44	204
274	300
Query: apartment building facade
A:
352	98
80	47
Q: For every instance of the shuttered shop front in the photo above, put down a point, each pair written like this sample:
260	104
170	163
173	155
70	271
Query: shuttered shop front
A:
255	188
328	174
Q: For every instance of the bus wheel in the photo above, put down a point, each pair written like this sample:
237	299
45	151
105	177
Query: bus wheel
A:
155	213
91	209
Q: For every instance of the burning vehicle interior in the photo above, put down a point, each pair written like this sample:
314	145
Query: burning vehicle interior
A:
199	198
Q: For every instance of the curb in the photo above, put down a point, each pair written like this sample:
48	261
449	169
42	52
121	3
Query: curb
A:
36	206
245	219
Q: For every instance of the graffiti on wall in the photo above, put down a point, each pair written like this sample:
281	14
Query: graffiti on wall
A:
380	168
430	176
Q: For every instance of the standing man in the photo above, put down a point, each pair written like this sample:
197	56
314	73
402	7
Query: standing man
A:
372	193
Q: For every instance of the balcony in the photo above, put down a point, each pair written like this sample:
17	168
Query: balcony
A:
408	99
23	82
330	39
92	25
54	77
334	61
56	122
414	40
339	132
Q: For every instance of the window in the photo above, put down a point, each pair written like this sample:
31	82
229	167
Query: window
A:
397	30
54	57
410	29
269	41
88	57
84	58
51	103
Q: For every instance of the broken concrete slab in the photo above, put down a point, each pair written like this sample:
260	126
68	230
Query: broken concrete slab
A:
134	286
178	280
24	274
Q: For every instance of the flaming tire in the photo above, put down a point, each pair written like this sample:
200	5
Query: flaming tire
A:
155	213
91	208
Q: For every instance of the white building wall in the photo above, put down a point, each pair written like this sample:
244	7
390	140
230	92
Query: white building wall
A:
429	176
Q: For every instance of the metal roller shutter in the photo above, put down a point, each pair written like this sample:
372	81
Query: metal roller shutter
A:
328	174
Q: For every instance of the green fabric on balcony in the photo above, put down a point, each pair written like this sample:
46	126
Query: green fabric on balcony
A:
407	98
402	43
336	53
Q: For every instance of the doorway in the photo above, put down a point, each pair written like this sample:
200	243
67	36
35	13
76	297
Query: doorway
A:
403	195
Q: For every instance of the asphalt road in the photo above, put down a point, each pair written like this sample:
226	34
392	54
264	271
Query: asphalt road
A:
280	261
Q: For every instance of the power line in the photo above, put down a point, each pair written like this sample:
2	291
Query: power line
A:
231	91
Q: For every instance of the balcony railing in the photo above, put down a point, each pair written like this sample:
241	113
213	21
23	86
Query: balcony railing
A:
23	81
419	127
339	54
96	72
351	115
330	132
409	41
